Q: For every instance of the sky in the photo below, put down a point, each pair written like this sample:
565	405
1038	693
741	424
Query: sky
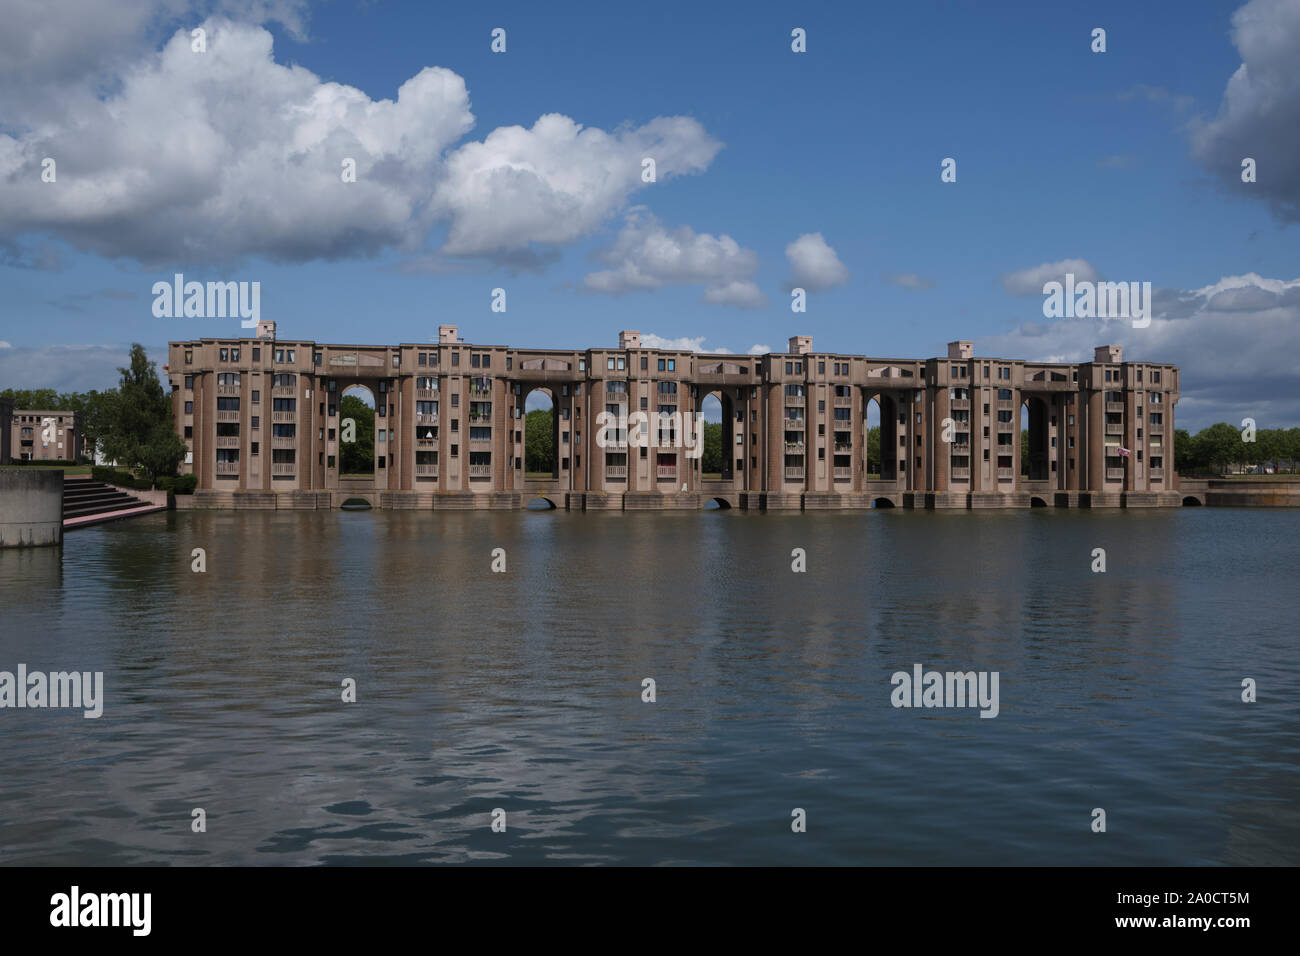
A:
523	170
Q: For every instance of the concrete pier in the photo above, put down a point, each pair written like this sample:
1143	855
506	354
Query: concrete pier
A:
31	507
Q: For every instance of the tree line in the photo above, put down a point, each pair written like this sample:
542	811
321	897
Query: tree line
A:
132	425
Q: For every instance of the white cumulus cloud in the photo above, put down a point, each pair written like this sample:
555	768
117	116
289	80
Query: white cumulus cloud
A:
814	265
647	255
1030	281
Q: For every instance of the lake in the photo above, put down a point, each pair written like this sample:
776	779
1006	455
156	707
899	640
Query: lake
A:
522	691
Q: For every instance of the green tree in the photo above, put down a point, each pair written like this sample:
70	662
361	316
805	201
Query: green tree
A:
1183	452
93	409
139	430
711	459
357	457
539	441
1221	445
1024	451
873	450
37	399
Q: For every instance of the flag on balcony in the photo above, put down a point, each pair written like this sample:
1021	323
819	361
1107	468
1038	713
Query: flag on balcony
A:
1124	451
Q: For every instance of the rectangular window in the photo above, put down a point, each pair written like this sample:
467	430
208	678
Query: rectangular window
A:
256	421
455	358
189	408
189	381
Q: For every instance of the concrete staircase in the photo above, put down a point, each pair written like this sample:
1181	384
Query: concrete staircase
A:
87	501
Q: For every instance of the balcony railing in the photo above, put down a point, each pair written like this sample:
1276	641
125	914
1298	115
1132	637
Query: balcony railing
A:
427	418
794	423
284	391
1113	429
844	400
227	389
284	416
961	448
426	393
794	473
665	472
227	441
480	471
616	471
959	403
227	416
843	474
1006	403
1114	406
1006	426
961	472
1156	429
480	443
280	441
1157	472
1114	474
843	448
227	468
794	446
480	417
284	468
427	470
1005	473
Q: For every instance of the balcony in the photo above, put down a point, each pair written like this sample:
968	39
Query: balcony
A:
228	416
958	403
794	424
481	392
844	401
284	391
426	393
616	471
1157	472
479	444
1156	429
284	416
1112	429
666	472
480	471
227	389
227	441
426	471
1114	474
279	441
961	448
1006	426
1006	403
227	468
1114	406
479	417
843	474
794	447
961	472
795	474
843	448
284	468
1006	474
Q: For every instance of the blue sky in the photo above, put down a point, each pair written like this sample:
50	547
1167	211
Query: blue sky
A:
1124	161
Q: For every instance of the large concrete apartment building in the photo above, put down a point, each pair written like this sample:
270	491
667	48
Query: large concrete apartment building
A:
39	435
261	417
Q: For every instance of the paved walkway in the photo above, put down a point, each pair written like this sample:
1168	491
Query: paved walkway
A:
71	524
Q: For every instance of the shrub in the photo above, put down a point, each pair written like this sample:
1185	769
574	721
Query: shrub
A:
142	484
185	484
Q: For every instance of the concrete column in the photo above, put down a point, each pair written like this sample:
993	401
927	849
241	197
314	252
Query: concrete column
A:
942	451
31	507
1093	422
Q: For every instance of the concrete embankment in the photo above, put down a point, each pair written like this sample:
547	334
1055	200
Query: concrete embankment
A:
31	507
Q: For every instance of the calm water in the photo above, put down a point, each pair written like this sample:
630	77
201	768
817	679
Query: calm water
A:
523	690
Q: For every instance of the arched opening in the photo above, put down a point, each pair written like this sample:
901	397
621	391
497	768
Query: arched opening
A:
1191	501
716	504
882	503
716	460
1037	502
541	503
356	504
1034	440
359	447
541	436
881	437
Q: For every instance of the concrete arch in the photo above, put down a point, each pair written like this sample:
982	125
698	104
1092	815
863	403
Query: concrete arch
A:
551	391
1191	501
881	503
727	410
1037	502
888	405
354	501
